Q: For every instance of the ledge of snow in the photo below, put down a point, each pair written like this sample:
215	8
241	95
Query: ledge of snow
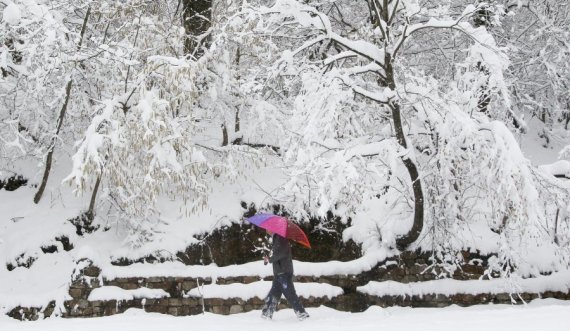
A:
178	269
556	282
558	168
260	290
106	293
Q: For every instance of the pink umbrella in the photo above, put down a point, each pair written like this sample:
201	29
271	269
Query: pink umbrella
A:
281	226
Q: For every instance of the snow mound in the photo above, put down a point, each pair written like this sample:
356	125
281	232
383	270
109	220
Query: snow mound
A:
106	293
556	282
259	289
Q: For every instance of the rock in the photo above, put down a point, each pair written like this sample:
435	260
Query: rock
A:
234	309
175	302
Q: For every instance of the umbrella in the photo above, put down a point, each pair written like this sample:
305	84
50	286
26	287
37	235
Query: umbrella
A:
281	226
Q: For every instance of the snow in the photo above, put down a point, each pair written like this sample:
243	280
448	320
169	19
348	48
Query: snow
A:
556	282
260	290
538	315
45	281
26	227
11	14
212	271
561	167
117	293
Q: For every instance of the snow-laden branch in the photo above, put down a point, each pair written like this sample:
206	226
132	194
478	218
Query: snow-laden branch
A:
307	16
458	24
371	149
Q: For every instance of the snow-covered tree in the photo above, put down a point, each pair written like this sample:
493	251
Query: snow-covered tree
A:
378	106
536	34
40	48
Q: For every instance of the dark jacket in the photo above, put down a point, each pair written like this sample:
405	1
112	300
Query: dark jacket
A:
281	257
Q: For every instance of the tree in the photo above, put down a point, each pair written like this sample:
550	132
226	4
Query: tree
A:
368	65
536	33
43	51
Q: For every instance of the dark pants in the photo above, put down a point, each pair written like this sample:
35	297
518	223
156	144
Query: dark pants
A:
282	284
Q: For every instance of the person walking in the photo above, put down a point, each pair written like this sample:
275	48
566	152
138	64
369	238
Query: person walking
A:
282	262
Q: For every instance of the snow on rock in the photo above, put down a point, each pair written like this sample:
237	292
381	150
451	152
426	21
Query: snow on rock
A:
260	289
117	293
558	168
556	282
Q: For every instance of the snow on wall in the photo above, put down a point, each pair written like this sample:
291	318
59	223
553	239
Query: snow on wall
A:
260	289
117	293
178	269
556	282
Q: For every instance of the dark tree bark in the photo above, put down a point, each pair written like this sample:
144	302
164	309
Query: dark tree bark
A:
51	147
380	11
404	241
91	210
225	138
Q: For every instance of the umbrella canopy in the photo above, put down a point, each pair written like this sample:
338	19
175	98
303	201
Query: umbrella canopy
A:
281	226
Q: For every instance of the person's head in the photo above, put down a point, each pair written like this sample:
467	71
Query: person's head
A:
269	233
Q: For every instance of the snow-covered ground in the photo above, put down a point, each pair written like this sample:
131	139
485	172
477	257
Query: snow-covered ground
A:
546	314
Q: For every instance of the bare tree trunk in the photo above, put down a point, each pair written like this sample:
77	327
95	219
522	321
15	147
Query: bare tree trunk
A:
237	124
63	111
556	226
238	77
379	11
51	148
225	138
404	241
91	210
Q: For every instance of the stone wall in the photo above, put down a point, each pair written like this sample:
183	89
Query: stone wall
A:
13	183
409	267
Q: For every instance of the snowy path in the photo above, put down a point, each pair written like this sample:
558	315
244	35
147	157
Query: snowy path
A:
549	314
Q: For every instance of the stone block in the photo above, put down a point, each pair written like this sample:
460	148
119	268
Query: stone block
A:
502	298
234	309
82	303
130	286
190	302
149	302
110	310
188	285
156	309
173	311
94	283
222	310
97	303
214	301
183	311
76	293
92	271
196	310
257	301
88	312
175	302
250	279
